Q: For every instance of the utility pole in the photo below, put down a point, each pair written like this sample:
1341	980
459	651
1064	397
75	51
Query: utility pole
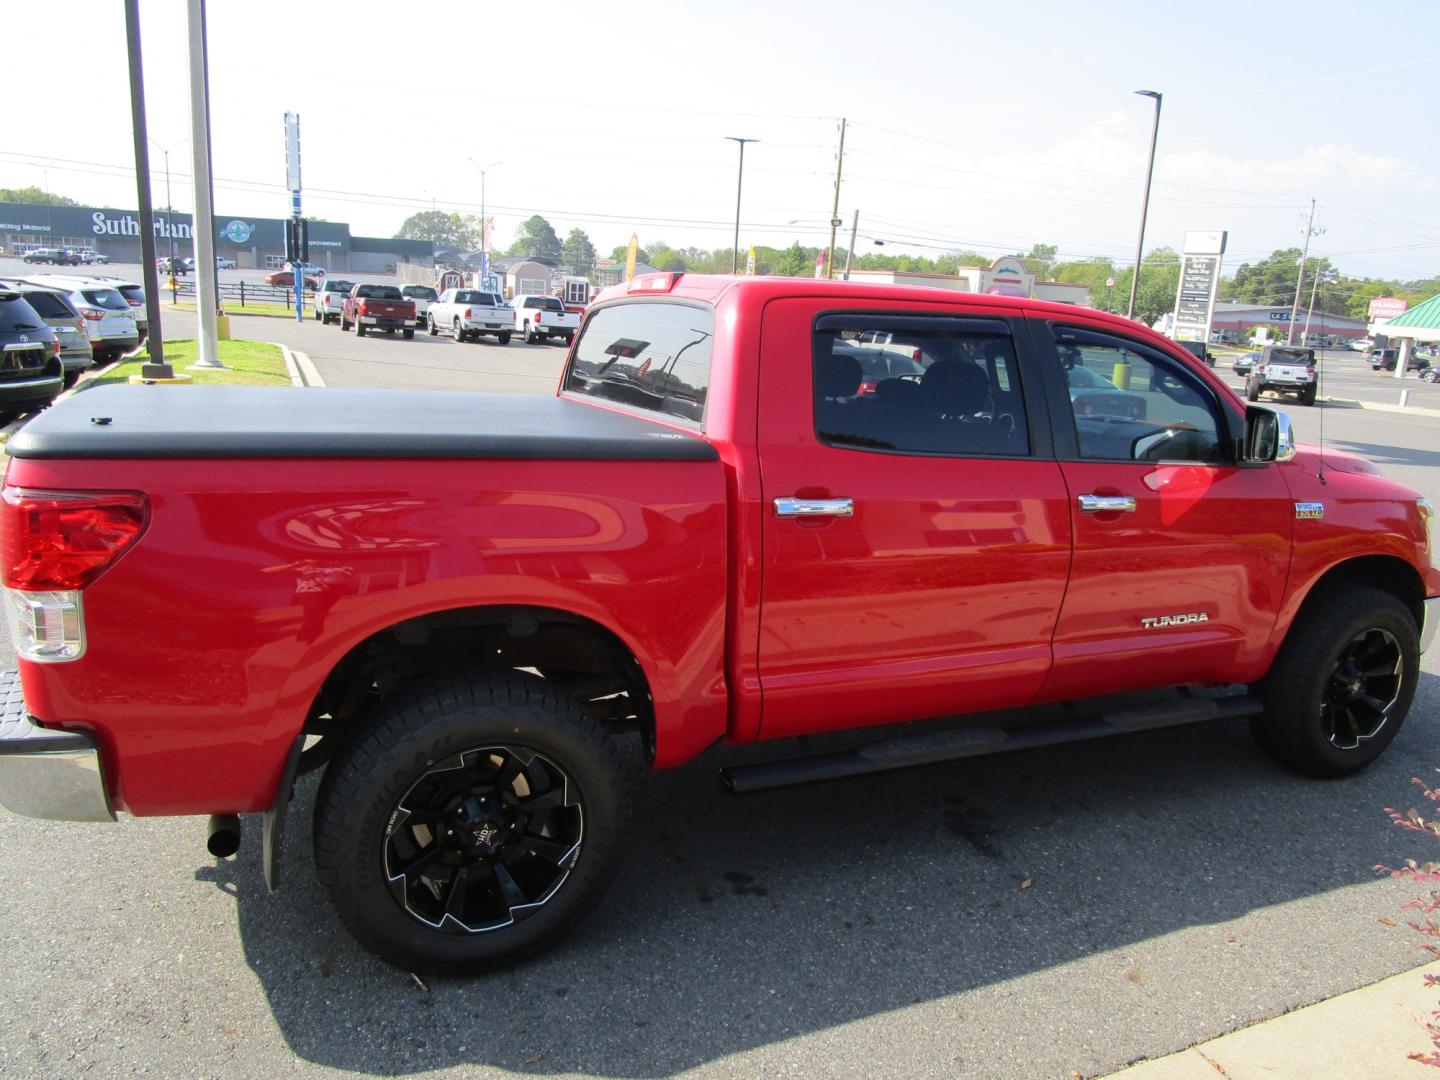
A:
850	255
835	208
1300	277
739	183
1157	97
204	219
155	344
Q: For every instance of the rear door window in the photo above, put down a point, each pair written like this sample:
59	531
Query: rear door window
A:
940	385
648	355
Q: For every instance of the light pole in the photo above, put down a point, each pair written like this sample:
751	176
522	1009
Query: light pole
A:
170	209
484	232
1145	203
739	182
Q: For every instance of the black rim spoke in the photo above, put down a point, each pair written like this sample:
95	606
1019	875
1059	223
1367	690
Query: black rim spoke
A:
1362	690
514	896
552	851
477	841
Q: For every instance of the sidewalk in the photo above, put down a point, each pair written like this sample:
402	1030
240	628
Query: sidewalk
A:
1364	1034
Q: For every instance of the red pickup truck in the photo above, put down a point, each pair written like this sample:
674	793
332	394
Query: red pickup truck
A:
461	606
378	307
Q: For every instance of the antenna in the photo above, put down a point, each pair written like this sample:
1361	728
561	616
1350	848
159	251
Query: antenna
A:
1319	400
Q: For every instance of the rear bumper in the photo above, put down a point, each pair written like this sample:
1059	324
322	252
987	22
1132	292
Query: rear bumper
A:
41	388
1431	623
45	773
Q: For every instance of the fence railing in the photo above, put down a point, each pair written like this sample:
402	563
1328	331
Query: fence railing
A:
237	293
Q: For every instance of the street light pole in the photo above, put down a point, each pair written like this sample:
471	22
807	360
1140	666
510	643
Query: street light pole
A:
484	232
170	209
1145	203
739	181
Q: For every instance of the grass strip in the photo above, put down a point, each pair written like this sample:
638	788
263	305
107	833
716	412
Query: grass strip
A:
247	363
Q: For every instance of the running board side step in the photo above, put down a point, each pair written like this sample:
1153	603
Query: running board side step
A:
906	751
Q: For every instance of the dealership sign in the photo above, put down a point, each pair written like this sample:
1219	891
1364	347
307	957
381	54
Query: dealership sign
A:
1199	276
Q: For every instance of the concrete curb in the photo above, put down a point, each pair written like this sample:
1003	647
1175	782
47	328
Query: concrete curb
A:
1417	410
1366	1032
302	370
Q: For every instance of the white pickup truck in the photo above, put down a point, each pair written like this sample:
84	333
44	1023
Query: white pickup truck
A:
422	296
541	318
330	298
470	313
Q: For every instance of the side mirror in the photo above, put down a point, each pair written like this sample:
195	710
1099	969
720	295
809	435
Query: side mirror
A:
1268	436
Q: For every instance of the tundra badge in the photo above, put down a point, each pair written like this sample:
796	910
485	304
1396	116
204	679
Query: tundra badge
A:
1159	622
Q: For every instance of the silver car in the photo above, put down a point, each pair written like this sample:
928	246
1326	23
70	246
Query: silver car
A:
109	318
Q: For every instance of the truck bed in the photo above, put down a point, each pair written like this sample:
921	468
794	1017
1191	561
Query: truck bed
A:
275	422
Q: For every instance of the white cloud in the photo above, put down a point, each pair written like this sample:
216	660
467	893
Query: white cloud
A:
1332	167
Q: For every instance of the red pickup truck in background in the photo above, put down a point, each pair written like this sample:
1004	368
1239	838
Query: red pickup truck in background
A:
708	535
378	307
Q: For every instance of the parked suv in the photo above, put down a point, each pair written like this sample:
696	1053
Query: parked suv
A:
1386	359
30	370
76	354
109	318
1198	350
1284	370
58	256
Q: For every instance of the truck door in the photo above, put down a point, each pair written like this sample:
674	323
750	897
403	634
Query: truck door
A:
1181	556
916	536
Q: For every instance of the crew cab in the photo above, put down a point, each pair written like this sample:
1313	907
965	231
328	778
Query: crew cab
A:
462	607
329	299
540	318
377	307
469	314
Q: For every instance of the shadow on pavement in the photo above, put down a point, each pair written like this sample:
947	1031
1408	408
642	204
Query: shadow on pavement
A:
1389	454
738	923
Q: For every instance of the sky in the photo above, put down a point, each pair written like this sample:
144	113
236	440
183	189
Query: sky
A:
986	128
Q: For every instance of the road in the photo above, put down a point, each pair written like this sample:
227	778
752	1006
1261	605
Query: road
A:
1073	908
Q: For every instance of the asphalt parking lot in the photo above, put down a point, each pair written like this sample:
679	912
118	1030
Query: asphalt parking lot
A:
1030	915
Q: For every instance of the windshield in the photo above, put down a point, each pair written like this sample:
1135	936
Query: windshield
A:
110	299
339	286
379	292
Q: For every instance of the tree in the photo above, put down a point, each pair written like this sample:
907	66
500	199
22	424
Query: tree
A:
1093	273
1159	282
33	196
621	253
451	230
537	240
795	261
1040	260
579	252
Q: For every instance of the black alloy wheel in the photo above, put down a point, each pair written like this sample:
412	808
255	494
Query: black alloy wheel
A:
475	821
1340	687
483	839
1363	690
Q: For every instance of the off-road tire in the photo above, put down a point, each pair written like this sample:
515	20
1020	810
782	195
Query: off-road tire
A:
432	328
504	338
1308	668
1307	396
364	787
409	333
1252	391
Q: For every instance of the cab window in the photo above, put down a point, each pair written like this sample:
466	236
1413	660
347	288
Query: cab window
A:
918	385
1133	403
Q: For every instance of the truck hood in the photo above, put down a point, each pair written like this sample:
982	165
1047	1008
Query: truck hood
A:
112	422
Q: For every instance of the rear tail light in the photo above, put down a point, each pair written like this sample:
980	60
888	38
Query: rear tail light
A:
537	317
915	355
132	303
93	314
65	539
56	343
362	308
1310	371
467	313
866	387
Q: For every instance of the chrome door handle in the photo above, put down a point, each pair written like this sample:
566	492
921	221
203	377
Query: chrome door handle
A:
789	507
1107	504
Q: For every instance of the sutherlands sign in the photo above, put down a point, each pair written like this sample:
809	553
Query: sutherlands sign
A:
1199	276
129	225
